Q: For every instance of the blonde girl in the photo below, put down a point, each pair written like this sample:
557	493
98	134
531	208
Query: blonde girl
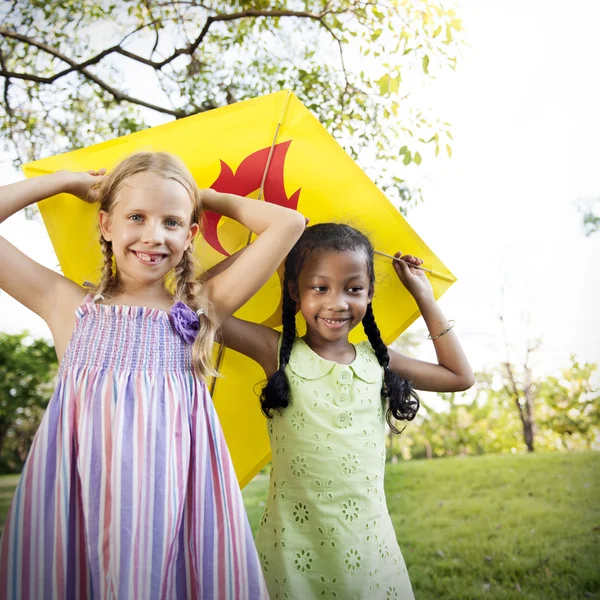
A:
128	490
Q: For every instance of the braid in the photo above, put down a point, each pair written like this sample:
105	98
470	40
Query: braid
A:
334	237
109	283
276	393
403	400
189	290
187	287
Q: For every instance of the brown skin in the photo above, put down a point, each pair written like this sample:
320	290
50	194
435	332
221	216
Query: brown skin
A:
328	287
333	293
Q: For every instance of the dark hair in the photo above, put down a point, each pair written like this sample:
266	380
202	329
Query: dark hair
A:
336	237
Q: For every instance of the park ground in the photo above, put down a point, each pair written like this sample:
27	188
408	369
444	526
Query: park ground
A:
490	527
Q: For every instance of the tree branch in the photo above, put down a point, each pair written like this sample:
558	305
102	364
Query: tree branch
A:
119	96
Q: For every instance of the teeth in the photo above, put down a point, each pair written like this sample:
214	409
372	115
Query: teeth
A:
148	258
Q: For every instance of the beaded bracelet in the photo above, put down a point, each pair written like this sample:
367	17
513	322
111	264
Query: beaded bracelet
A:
435	337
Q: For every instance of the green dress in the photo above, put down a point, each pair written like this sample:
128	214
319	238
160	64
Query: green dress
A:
326	531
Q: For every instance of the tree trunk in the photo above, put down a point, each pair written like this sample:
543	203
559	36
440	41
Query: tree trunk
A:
528	433
529	422
428	451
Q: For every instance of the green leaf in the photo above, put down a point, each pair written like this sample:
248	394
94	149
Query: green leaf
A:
417	158
449	150
426	64
384	85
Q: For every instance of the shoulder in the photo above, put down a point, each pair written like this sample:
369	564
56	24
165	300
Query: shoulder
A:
306	363
365	365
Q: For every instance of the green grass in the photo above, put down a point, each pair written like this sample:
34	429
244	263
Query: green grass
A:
7	487
492	527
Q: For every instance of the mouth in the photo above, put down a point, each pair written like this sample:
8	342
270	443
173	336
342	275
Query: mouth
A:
334	323
149	258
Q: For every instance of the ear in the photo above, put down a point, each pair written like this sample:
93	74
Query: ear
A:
371	293
192	233
105	224
293	291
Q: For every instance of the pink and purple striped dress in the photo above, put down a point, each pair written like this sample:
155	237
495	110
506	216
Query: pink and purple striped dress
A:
128	491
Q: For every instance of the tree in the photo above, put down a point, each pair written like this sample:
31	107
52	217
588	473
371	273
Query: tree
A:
27	369
571	404
71	70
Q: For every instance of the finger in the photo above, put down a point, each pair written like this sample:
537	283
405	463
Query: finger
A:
402	267
398	254
415	260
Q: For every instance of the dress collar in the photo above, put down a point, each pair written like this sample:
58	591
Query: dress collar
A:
306	363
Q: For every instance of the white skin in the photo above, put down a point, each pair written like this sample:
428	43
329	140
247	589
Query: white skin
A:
333	292
150	228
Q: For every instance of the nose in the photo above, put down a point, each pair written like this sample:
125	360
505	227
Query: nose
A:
337	302
153	233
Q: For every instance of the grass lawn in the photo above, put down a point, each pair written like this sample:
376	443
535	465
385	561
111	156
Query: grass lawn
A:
491	527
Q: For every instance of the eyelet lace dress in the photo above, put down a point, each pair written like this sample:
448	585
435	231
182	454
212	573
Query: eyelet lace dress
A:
128	491
326	531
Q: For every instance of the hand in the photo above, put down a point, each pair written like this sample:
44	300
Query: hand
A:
85	185
414	280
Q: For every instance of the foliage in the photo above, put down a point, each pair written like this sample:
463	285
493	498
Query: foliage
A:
81	71
590	217
485	419
27	369
498	527
571	405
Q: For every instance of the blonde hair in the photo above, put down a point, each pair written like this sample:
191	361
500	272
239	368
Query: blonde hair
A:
186	285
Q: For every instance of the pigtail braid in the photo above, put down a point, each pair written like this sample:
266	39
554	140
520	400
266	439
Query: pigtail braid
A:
109	283
403	400
276	393
188	289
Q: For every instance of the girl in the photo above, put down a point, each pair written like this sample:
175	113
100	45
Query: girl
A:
129	491
326	532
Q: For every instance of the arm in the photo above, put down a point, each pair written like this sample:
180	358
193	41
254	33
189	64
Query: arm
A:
277	228
255	341
453	372
45	292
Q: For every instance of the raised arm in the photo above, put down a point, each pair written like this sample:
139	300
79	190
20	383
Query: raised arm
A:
452	373
45	292
277	229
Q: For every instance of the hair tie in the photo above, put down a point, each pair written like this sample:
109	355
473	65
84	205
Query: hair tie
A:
200	312
97	297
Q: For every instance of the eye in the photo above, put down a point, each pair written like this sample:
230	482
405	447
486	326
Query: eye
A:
135	218
319	288
172	223
356	289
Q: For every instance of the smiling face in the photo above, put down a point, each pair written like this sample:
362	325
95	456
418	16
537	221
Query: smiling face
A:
149	227
333	291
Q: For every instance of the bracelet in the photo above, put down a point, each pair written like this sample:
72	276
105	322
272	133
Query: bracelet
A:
435	337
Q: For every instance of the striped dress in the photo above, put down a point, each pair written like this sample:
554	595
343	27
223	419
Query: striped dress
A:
128	491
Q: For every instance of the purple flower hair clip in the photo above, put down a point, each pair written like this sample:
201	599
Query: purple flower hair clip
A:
185	321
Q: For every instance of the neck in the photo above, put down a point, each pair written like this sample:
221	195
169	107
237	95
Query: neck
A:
341	351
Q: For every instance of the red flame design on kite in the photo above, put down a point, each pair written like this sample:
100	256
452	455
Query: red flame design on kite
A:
246	180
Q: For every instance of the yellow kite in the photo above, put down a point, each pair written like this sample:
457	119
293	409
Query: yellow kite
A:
272	148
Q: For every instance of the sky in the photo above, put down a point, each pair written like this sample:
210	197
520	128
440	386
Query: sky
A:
502	212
